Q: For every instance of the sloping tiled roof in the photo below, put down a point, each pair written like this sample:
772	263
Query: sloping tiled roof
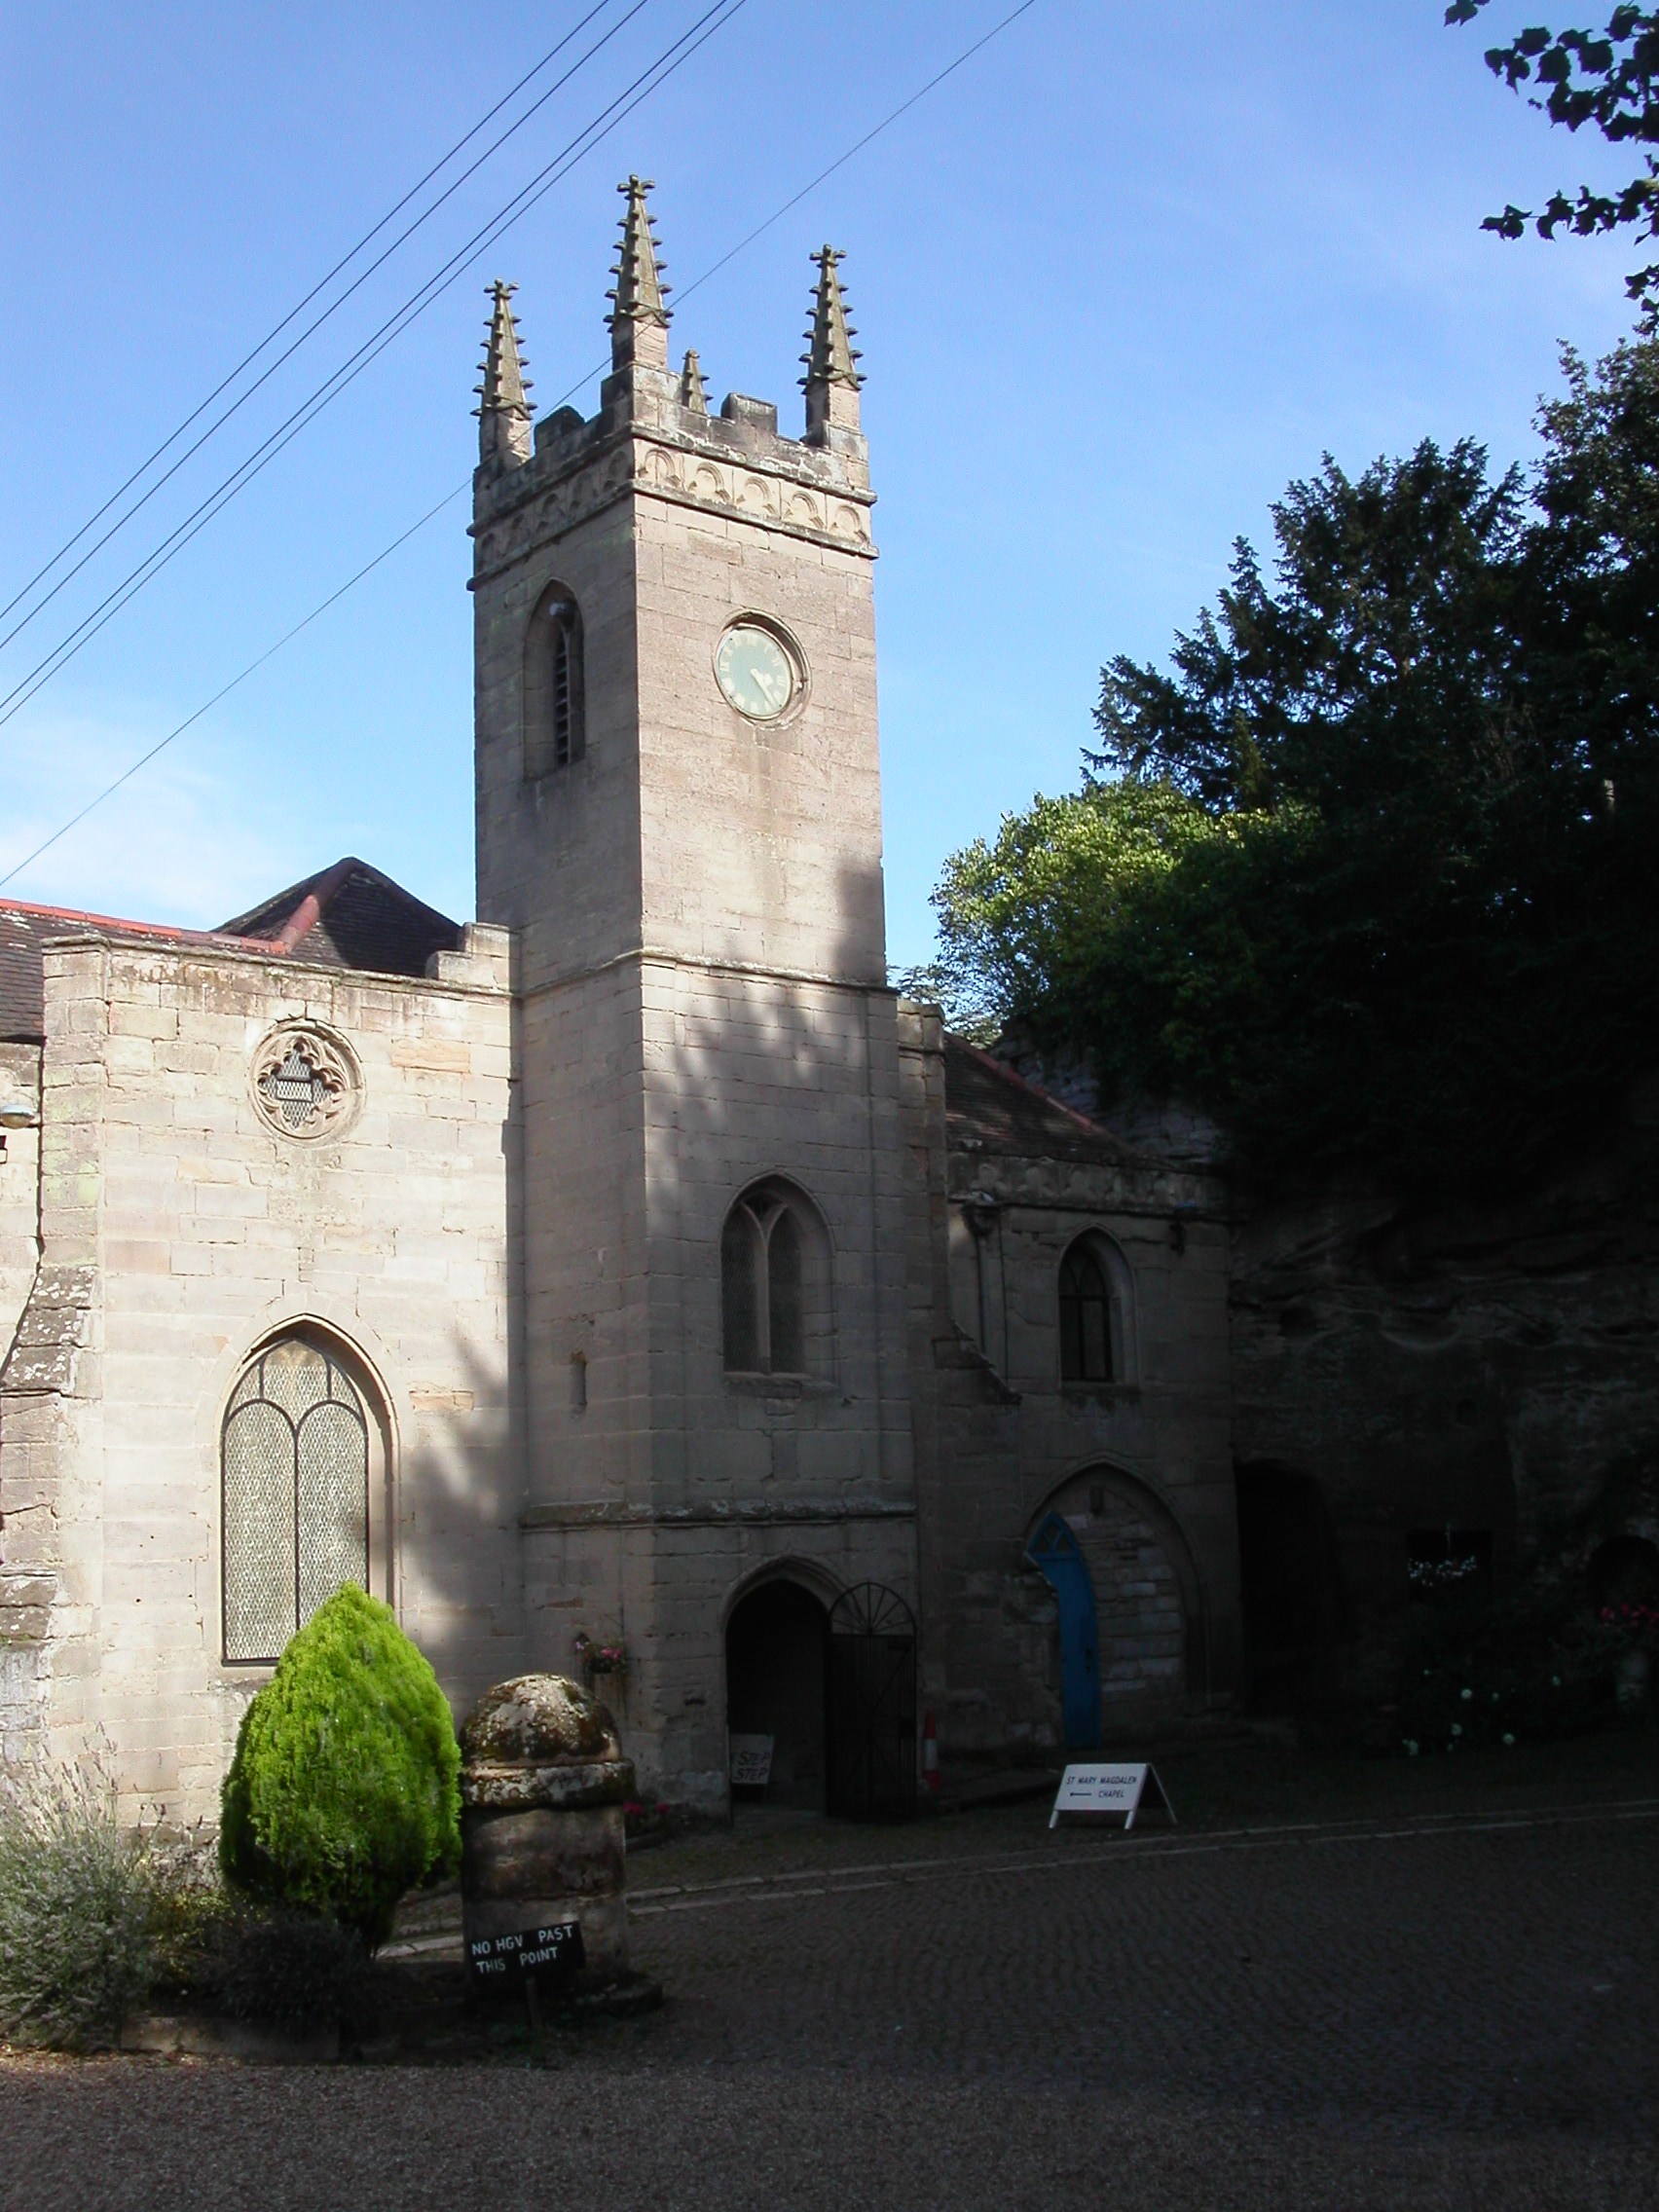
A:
997	1111
26	930
349	916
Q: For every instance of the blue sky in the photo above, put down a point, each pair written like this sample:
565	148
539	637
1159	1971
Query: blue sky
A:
1123	277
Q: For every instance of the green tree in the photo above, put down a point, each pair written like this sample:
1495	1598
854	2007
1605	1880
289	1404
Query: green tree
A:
1608	79
345	1790
1366	873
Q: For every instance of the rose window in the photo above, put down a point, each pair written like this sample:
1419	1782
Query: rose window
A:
303	1082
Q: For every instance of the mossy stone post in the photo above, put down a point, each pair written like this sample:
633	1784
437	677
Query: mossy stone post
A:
543	1787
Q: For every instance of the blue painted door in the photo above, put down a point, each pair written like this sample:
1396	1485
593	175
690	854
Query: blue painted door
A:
1056	1551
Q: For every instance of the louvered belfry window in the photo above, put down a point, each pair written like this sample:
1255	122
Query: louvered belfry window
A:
772	1260
553	733
295	1465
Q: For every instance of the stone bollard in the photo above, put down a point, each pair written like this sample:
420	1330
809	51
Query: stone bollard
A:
543	1785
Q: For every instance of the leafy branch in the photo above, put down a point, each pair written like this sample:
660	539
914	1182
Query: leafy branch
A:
1609	80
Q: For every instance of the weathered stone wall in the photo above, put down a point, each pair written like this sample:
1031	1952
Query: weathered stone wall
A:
25	1593
1488	1367
179	1231
1144	1461
672	1485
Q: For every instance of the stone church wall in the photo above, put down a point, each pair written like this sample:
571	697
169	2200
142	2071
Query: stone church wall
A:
1141	1468
179	1231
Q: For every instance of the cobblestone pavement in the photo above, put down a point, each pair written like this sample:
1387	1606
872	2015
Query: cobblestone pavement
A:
1446	2009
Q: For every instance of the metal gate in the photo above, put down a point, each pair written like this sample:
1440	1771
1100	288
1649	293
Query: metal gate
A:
871	1736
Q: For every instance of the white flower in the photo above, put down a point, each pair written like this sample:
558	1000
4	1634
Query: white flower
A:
1510	1741
1468	1693
1456	1728
1411	1748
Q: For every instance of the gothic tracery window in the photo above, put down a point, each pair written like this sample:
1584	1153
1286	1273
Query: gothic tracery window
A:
294	1462
1095	1312
553	723
774	1284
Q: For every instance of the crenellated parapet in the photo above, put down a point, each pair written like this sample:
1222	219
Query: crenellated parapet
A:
653	433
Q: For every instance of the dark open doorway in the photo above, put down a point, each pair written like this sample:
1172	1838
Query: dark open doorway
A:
775	1662
1291	1587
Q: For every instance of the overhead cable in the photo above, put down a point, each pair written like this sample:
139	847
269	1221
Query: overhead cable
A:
224	691
455	493
672	58
312	327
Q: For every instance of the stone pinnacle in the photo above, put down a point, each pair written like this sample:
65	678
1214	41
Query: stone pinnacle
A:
504	409
830	354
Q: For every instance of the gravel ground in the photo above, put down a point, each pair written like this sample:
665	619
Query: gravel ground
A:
1457	2007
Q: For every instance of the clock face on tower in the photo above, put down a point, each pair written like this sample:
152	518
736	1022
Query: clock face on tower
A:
757	675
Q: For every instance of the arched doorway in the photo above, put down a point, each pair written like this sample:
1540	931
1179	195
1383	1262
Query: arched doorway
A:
873	1704
1130	1592
1623	1572
1290	1586
775	1647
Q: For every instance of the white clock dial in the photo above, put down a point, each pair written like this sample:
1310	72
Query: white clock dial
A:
756	674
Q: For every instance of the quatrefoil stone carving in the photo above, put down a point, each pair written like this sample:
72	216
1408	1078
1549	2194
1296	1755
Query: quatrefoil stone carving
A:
305	1082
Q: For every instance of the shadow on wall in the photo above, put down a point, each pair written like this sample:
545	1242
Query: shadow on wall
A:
465	1484
460	1545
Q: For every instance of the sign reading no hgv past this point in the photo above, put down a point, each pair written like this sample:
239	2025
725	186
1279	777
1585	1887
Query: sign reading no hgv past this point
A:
528	1954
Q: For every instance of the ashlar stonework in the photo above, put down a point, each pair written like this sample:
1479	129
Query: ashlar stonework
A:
657	1251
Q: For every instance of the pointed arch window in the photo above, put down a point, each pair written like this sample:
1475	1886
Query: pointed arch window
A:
554	734
775	1284
294	1467
1097	1314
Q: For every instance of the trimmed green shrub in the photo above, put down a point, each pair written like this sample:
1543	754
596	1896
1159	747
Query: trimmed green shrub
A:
77	1903
345	1790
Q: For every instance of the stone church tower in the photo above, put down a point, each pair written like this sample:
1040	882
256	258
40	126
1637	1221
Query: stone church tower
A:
678	818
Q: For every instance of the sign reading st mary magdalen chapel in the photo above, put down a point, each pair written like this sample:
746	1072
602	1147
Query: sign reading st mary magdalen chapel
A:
1113	1791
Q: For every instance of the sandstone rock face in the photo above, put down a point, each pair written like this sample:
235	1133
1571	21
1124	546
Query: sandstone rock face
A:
1473	1366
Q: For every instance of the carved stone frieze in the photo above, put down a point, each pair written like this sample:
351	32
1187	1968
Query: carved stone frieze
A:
693	479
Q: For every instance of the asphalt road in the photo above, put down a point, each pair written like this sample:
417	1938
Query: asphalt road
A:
1457	2010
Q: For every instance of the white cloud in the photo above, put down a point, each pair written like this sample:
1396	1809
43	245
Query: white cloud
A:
172	845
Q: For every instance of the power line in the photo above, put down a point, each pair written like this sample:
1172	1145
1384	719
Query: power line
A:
841	160
455	493
311	329
160	744
673	58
